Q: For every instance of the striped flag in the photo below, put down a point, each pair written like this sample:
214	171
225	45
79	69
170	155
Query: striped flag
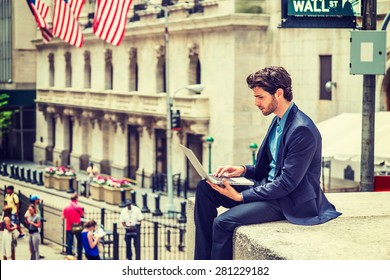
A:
65	24
40	10
110	20
76	6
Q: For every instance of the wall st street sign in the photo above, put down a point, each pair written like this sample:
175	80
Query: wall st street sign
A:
320	13
324	7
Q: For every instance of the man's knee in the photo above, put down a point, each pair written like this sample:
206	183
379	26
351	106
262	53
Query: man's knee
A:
224	223
202	188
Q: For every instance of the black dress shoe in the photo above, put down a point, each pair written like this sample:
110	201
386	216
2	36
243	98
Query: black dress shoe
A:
41	257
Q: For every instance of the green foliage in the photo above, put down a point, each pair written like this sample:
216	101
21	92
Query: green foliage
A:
5	115
249	6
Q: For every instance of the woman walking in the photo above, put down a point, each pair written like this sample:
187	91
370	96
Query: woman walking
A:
34	223
90	241
8	243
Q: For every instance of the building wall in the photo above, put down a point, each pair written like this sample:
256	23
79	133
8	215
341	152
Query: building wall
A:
230	46
23	29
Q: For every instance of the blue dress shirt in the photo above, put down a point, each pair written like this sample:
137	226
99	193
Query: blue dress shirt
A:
274	141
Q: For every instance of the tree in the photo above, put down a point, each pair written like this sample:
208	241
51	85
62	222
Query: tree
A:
5	115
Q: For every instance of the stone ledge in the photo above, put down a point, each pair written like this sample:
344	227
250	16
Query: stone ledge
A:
361	233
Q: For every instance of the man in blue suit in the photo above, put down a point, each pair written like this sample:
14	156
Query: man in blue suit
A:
286	174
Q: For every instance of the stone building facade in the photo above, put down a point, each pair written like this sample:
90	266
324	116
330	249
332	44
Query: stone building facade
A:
17	79
107	104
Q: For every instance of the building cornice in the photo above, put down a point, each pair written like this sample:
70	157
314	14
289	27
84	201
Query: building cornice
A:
199	23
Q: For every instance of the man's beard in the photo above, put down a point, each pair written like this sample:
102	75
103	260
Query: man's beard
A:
271	107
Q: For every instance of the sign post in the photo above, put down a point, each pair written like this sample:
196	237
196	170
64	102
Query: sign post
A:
368	118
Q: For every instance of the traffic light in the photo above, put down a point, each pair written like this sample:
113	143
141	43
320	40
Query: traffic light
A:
175	120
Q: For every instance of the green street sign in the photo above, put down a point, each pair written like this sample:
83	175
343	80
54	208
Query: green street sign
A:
324	8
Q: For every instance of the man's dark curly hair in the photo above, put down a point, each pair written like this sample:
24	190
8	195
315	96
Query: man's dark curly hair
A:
270	79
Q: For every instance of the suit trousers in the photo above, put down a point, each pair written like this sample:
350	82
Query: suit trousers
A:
213	233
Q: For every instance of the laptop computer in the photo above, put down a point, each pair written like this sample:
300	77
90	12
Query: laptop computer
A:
213	179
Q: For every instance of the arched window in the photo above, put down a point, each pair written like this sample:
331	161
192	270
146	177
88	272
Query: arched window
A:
109	73
133	70
51	70
68	70
160	71
87	69
194	69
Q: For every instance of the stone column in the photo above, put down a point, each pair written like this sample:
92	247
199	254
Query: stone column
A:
77	140
119	151
40	135
96	142
85	143
147	146
107	132
61	148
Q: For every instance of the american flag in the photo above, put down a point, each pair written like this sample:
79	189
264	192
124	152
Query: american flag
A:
76	6
65	25
110	20
40	10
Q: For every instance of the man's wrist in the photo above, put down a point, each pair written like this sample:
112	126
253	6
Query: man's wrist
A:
244	170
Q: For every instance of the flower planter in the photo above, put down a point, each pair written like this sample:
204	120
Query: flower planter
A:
61	183
112	195
48	180
97	191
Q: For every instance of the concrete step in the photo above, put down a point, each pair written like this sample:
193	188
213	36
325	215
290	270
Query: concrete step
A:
361	233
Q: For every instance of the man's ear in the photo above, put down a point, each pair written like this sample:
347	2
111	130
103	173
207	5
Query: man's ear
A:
279	92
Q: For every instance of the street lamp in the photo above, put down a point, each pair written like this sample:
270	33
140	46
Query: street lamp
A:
196	88
210	141
253	147
193	88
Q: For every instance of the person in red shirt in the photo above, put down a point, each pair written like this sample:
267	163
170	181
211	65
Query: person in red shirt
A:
72	214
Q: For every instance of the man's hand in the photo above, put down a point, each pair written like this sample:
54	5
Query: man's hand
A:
227	190
230	171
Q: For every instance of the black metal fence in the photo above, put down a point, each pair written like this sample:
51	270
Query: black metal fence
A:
162	235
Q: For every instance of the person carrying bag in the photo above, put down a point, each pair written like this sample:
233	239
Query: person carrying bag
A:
72	215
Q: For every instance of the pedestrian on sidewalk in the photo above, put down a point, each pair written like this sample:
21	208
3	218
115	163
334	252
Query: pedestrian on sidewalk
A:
9	240
72	215
35	200
92	172
34	224
131	217
11	200
90	242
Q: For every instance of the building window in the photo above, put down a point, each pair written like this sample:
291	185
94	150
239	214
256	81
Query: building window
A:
109	74
68	70
6	41
325	77
133	70
87	69
194	69
160	71
51	70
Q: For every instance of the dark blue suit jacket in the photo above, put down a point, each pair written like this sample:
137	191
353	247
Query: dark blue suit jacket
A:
297	175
